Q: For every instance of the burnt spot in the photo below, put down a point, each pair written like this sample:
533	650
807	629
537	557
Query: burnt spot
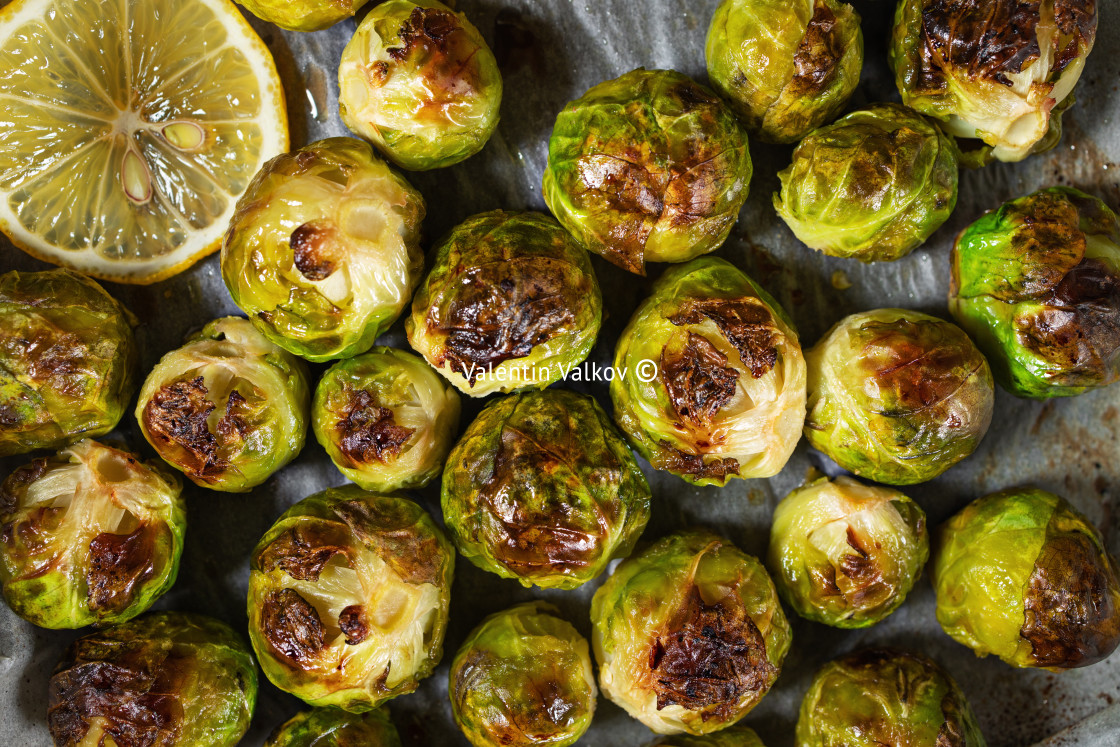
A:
313	249
352	623
816	61
711	657
235	424
746	323
414	555
15	485
680	462
951	733
177	416
425	28
304	550
367	432
292	628
1071	615
864	573
698	380
118	563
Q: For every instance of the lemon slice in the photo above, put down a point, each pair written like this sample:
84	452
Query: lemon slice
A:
129	128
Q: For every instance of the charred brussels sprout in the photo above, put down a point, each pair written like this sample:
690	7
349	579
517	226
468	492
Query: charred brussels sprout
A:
736	736
1001	71
386	419
1037	285
88	537
418	80
689	634
846	554
873	186
323	251
542	488
885	697
302	15
332	727
511	302
523	677
649	167
1022	575
348	598
67	360
713	382
227	409
785	66
897	396
165	678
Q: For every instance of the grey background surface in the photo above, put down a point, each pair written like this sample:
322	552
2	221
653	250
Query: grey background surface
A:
550	51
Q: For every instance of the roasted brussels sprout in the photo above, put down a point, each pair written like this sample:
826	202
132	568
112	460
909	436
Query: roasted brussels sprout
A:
89	536
511	302
67	360
228	408
885	697
165	678
418	80
897	396
1022	575
736	736
542	488
997	70
323	251
386	419
846	554
332	727
348	598
689	634
523	677
1037	285
872	186
712	382
649	167
785	67
302	15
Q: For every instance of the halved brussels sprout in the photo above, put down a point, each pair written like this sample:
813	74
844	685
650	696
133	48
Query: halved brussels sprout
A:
67	360
846	554
418	80
897	396
323	252
885	697
333	727
873	186
542	488
90	536
736	736
1000	71
348	598
712	382
1037	285
689	634
511	302
1022	575
386	419
649	167
523	677
785	66
166	678
228	408
302	15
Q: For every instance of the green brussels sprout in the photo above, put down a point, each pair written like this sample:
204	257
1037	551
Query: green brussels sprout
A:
90	536
897	396
386	419
712	380
542	488
735	736
302	15
67	360
1037	285
872	186
1001	72
165	678
785	67
846	554
885	697
348	598
1022	575
418	80
523	677
228	408
323	251
332	727
689	634
649	167
511	302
